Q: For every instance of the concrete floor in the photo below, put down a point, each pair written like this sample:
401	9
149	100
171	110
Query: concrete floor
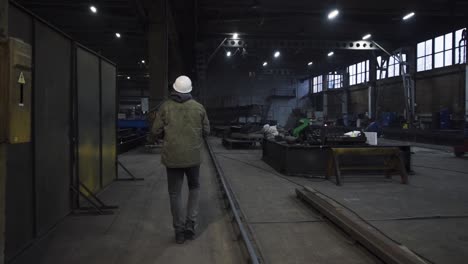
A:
436	194
285	229
141	230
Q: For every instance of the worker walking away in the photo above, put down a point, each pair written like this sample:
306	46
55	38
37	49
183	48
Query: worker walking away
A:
182	123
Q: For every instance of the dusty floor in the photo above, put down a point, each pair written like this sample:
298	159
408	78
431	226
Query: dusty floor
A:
140	232
430	215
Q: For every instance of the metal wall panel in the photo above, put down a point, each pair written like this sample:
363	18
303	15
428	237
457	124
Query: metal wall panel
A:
52	107
20	24
88	119
19	228
19	204
108	121
3	174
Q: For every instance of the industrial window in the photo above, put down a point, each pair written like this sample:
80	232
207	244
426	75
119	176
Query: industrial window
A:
424	53
460	46
359	73
443	46
318	84
394	65
382	66
335	80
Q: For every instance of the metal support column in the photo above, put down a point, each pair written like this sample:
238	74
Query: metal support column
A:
325	97
345	94
158	52
408	82
201	67
466	95
408	86
371	101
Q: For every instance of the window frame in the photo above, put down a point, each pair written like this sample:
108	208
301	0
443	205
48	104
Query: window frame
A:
427	56
456	48
335	78
317	84
444	51
359	73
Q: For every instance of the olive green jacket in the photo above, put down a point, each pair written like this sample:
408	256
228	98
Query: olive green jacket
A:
182	125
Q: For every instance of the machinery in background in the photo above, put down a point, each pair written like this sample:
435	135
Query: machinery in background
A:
132	132
249	135
308	134
460	150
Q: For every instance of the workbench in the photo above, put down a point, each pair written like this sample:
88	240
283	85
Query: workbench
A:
303	160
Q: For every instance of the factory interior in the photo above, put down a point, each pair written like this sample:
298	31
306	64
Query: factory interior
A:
338	131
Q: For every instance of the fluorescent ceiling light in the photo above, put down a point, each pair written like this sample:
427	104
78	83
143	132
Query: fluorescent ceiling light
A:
93	9
310	63
235	36
265	64
228	54
368	36
117	35
277	54
331	53
408	16
333	14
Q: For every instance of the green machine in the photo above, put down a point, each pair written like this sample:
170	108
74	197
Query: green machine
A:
305	123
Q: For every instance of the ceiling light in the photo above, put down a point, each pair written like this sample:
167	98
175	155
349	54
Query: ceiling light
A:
128	78
333	14
277	54
93	9
265	64
235	36
143	61
310	63
228	54
331	53
408	16
368	36
117	35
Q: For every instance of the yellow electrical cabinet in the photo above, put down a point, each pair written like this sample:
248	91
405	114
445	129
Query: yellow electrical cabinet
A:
15	91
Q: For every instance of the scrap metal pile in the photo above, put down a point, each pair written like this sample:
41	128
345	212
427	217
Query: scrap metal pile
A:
243	136
309	134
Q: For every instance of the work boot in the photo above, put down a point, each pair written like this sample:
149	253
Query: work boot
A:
180	237
190	230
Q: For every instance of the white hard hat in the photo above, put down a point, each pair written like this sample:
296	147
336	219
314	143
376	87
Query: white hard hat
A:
183	84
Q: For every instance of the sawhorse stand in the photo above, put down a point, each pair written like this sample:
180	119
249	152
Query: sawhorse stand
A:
393	161
132	177
97	205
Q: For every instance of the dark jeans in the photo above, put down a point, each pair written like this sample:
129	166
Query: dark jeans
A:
175	178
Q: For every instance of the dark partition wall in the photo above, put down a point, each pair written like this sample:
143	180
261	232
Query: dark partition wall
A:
52	119
108	121
19	226
88	106
20	24
19	204
66	76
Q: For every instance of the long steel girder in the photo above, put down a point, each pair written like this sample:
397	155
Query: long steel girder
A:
294	44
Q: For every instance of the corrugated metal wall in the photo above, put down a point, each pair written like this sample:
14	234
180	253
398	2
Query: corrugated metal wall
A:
74	96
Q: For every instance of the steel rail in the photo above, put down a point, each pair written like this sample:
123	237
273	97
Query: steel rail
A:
255	256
